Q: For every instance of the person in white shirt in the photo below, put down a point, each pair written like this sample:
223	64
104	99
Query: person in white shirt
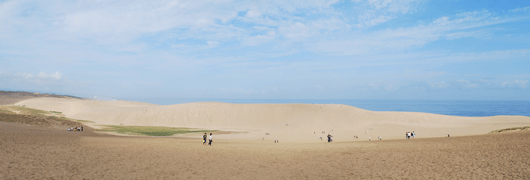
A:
210	139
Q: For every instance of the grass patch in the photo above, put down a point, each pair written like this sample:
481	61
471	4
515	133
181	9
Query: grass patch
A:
5	111
84	121
56	112
152	130
511	129
29	111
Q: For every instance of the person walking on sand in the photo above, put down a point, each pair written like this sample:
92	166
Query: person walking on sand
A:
329	137
210	140
413	135
204	139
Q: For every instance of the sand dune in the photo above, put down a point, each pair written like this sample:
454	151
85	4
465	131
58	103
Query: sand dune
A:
286	122
31	152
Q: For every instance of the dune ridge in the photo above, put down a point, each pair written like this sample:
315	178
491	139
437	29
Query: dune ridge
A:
286	122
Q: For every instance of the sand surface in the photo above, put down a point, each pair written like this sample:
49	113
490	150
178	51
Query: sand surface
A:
30	152
285	122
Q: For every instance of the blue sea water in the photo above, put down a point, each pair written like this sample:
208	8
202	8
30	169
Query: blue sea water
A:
453	108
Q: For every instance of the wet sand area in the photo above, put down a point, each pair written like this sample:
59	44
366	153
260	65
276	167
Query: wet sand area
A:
33	152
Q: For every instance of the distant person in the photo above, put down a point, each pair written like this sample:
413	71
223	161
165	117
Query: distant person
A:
329	137
413	134
210	140
81	128
204	139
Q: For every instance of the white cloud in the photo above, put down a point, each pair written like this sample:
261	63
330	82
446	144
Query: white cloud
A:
520	9
118	22
36	78
438	85
515	84
259	39
57	75
465	84
398	39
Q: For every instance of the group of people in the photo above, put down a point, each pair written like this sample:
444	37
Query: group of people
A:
330	138
412	134
75	129
209	139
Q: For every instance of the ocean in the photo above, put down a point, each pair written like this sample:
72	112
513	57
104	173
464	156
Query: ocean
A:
453	108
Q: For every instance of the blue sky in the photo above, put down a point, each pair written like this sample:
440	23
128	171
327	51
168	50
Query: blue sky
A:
352	49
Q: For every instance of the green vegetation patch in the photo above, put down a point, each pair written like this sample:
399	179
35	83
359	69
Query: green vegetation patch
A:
56	112
84	121
29	111
5	111
511	129
152	130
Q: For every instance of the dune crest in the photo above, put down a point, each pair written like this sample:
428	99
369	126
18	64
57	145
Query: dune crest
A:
288	122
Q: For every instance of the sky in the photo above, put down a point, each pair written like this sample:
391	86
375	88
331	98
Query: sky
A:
274	49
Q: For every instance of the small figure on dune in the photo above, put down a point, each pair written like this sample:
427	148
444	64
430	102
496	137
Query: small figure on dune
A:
204	139
330	138
210	142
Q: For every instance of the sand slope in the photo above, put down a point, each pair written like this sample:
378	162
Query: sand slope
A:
28	152
286	122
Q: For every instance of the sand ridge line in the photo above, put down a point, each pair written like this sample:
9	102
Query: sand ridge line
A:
287	122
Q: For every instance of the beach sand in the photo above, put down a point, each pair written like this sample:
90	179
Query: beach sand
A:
32	152
40	149
284	122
